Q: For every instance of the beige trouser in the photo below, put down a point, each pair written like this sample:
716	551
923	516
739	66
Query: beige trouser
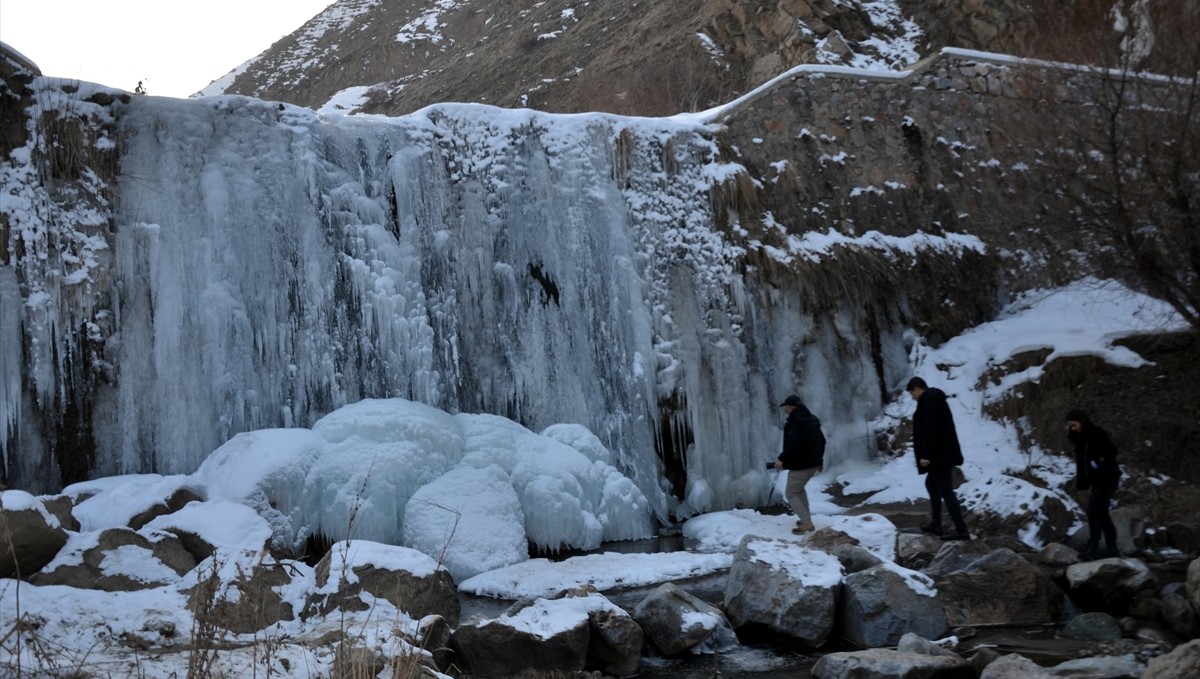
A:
796	497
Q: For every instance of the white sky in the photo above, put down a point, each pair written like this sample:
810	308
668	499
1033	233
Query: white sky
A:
176	48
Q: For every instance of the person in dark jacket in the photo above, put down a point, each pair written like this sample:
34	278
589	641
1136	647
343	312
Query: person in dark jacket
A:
803	456
935	443
1095	469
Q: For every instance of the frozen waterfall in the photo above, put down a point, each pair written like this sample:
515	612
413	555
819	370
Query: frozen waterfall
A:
268	266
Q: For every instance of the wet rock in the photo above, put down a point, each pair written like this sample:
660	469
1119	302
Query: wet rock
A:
1180	663
1098	667
879	663
675	621
785	587
1108	584
118	560
1095	626
997	587
32	535
880	604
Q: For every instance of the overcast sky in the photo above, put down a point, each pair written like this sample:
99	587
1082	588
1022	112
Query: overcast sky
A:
176	48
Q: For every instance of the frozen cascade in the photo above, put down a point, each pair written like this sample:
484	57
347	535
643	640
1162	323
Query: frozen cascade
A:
270	266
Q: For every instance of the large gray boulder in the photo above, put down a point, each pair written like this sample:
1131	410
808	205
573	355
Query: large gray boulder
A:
785	587
999	587
879	605
916	550
1094	626
550	636
675	621
879	663
416	584
1108	584
30	535
118	560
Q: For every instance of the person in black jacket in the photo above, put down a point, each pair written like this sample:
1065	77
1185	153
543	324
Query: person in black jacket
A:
935	444
1096	469
803	456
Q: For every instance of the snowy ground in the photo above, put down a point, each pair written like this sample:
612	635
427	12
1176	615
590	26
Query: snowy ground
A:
559	480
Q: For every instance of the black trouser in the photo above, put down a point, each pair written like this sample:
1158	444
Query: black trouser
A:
940	485
1099	521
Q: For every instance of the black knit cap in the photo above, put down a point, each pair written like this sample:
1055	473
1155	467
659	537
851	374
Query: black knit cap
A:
1077	416
792	400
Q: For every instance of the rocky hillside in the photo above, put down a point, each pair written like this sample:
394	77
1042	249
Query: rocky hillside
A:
643	58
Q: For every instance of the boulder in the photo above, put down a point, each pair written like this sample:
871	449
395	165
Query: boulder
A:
30	535
675	621
1130	521
1058	555
854	558
785	587
239	592
914	643
615	642
916	550
412	581
1014	666
176	501
1181	663
60	507
879	663
118	560
1177	614
1108	584
1096	626
999	587
544	635
828	538
879	605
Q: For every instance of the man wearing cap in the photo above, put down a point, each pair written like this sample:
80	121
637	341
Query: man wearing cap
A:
803	456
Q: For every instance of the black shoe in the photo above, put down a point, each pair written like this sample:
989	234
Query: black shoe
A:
931	529
1110	553
961	535
1090	553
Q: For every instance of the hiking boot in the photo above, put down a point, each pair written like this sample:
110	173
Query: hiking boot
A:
803	527
931	529
1090	553
1110	553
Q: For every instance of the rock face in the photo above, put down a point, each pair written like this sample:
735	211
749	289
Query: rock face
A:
784	587
1181	663
879	605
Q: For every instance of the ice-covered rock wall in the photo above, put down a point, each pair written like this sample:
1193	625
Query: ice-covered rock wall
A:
266	266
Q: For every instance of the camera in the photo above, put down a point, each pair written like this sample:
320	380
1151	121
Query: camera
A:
770	465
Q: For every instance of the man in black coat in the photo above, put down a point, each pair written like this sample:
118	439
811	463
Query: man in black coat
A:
1096	469
803	456
935	443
